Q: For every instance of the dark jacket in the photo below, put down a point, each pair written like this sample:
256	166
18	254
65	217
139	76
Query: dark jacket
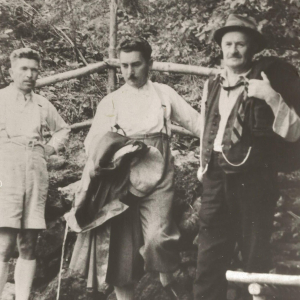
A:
104	180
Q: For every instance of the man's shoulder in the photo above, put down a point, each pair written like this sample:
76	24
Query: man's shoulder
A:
162	86
5	91
41	100
164	89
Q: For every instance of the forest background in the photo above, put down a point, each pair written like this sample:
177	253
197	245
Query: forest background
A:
71	33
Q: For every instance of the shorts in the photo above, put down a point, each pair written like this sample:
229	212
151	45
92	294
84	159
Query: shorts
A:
23	186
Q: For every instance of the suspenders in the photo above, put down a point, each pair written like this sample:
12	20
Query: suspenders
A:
117	127
3	116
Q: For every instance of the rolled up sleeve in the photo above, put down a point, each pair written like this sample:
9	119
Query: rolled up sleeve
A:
184	114
103	121
58	127
286	122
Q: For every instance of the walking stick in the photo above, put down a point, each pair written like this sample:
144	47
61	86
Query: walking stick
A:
62	261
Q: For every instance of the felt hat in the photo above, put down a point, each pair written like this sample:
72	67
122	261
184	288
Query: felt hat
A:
146	171
248	25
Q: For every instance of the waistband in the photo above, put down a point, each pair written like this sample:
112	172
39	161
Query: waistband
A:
149	136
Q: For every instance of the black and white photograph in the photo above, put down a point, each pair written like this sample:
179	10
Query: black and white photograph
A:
149	150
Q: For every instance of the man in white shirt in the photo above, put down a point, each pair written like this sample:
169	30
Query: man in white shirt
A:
24	116
143	110
241	118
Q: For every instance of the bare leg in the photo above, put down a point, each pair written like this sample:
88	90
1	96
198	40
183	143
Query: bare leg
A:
7	244
26	263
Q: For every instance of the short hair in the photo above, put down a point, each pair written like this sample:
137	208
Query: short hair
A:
25	53
129	44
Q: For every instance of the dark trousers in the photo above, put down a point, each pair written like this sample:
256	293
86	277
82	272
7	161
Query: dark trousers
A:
236	208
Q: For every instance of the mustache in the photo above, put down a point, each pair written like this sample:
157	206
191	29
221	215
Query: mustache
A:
132	77
234	56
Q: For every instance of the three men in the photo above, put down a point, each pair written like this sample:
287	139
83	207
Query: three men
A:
143	110
241	117
23	172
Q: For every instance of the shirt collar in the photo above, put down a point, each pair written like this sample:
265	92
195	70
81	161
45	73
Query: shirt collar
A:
241	79
144	90
19	95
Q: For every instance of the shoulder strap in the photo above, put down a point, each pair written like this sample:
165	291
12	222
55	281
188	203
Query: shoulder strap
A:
163	104
162	99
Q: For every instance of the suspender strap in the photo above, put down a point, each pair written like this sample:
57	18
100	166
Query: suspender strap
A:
119	128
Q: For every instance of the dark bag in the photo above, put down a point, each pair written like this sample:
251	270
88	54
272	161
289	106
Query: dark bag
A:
285	80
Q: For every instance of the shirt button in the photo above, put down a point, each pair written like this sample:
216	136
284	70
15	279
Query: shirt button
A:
212	132
207	150
206	159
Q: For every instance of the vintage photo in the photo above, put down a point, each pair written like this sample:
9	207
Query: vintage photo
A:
149	150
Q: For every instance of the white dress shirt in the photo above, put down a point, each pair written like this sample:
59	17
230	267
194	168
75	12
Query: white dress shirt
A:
22	116
142	111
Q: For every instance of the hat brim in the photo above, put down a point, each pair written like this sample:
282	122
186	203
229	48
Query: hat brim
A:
257	36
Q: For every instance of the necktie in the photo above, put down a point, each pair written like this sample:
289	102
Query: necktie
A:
238	125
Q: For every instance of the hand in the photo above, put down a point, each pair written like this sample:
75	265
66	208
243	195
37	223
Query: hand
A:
71	221
49	150
261	89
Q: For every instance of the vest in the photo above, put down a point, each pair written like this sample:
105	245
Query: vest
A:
257	142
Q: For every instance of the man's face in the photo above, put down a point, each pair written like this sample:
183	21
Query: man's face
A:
24	73
237	51
134	68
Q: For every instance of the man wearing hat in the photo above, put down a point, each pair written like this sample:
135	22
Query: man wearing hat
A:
242	115
142	111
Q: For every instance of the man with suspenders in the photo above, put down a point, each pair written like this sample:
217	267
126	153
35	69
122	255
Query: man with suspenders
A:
143	110
23	169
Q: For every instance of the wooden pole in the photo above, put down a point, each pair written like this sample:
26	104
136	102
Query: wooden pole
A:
291	280
279	291
100	66
173	68
92	68
112	45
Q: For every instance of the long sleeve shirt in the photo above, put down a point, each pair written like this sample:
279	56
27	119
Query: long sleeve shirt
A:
22	116
286	122
142	111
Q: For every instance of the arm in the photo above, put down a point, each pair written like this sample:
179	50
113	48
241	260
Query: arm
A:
201	170
103	121
184	114
286	122
59	130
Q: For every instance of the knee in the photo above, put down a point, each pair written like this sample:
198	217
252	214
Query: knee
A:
27	240
27	250
7	247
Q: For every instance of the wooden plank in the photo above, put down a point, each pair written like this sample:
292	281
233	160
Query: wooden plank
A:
92	68
291	280
280	291
114	63
173	68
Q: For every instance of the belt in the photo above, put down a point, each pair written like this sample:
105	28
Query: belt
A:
149	135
